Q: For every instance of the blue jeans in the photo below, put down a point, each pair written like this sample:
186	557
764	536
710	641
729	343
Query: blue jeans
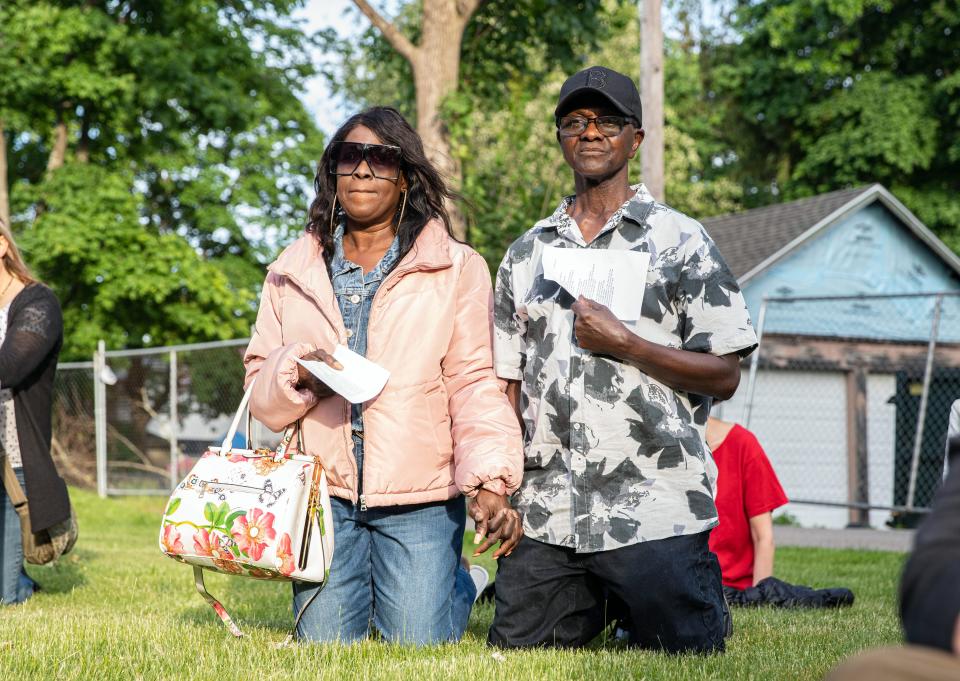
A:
397	568
15	585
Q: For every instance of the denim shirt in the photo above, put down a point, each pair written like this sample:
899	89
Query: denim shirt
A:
354	292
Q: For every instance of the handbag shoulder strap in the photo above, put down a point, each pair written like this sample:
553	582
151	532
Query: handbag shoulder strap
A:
214	603
12	485
228	621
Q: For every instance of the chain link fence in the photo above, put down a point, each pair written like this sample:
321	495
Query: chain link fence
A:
74	445
850	398
135	421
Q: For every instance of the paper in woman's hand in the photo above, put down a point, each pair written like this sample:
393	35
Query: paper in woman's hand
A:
359	380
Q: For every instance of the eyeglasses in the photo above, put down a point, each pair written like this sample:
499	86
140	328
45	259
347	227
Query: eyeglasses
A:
608	126
382	159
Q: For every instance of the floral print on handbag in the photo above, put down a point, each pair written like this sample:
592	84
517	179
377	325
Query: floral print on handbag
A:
253	512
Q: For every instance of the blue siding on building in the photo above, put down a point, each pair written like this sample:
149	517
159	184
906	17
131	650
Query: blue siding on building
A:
868	252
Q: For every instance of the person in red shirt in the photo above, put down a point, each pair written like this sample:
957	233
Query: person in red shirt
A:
747	493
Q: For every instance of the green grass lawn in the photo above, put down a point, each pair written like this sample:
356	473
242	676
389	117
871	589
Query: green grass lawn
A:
117	609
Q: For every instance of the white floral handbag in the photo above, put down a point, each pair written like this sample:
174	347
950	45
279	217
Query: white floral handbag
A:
254	512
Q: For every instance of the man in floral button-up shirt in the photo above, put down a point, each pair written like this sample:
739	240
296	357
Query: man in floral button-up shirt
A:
617	495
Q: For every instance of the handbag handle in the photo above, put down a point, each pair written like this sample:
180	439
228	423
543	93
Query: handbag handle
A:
283	447
227	446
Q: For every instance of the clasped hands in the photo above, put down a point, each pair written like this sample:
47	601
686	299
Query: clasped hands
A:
496	521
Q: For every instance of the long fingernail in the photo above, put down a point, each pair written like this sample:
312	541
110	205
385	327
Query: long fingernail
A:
477	538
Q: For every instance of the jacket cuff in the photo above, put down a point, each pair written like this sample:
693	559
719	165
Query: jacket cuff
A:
288	376
496	485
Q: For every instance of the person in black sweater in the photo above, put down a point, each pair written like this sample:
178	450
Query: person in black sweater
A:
31	329
929	592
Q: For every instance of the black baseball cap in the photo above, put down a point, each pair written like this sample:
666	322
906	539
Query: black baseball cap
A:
617	88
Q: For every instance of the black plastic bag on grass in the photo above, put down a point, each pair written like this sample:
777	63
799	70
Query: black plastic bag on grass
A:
780	594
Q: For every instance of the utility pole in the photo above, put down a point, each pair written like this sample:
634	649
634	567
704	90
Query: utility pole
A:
651	95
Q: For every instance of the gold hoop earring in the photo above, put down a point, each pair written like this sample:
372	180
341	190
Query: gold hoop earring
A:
403	207
333	212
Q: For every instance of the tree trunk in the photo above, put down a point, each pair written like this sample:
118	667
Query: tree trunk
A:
651	94
83	146
436	67
58	153
435	74
4	191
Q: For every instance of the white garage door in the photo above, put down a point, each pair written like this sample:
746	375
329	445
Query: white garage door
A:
800	419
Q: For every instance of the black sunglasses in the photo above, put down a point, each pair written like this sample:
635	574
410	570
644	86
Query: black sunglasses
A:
382	159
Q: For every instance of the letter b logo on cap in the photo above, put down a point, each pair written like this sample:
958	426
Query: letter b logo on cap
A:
596	79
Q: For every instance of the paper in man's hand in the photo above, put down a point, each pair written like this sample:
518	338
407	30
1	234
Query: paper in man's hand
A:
616	279
359	380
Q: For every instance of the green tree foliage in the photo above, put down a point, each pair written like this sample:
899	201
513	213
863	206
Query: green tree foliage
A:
515	58
186	158
508	45
826	94
118	281
499	130
780	99
513	166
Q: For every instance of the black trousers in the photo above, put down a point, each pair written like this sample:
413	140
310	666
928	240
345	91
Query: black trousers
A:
668	593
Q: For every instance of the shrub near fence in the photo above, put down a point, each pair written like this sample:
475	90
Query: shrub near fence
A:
74	445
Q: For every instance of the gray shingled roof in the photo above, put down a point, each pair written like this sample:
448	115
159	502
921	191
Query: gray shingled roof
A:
747	239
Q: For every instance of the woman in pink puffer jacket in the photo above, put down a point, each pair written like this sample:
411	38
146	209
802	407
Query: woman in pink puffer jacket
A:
379	272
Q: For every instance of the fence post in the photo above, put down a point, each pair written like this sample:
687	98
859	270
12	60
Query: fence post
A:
924	398
858	480
100	416
754	362
174	424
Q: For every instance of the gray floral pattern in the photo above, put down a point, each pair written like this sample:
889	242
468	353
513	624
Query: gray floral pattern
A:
614	457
